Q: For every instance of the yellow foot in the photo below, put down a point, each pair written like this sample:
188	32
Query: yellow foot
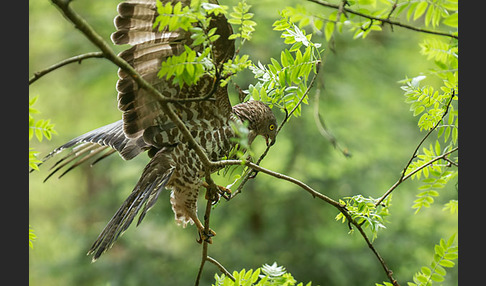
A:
206	236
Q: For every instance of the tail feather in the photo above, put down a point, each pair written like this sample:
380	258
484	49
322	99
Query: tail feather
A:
154	177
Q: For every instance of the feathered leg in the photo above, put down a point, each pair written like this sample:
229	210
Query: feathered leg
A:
184	205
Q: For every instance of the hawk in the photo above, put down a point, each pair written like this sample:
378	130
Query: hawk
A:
174	165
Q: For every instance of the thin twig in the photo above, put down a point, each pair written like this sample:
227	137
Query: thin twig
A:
388	271
450	162
385	20
78	59
220	266
414	154
404	178
321	127
394	6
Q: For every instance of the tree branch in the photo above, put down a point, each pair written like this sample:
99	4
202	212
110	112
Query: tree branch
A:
204	242
340	207
403	178
316	194
211	196
220	266
78	59
384	20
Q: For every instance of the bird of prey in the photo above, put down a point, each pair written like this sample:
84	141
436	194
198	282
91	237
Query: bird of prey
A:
144	127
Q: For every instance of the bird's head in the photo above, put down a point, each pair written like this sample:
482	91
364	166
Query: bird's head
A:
261	120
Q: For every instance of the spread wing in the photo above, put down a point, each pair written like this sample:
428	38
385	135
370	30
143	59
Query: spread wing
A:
142	113
96	144
144	124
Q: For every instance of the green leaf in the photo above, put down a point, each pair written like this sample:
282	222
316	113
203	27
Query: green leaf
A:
384	284
436	277
420	10
328	30
425	270
411	9
428	15
451	239
249	22
440	270
33	100
33	161
439	250
418	110
421	278
450	256
254	276
447	263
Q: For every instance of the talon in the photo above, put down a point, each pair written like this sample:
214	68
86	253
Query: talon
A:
224	192
253	174
203	236
221	191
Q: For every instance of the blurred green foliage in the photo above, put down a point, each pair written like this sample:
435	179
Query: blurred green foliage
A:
363	106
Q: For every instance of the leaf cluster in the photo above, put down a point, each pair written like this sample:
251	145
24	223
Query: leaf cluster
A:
234	66
365	212
436	175
197	59
174	17
284	83
445	255
242	17
267	275
303	18
337	20
435	12
41	128
452	206
428	102
186	68
431	102
189	66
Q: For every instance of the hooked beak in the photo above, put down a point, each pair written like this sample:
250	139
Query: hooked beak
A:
268	141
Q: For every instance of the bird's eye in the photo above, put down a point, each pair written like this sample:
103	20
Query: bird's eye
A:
271	127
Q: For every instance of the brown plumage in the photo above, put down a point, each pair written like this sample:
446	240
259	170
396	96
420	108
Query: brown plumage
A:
145	127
